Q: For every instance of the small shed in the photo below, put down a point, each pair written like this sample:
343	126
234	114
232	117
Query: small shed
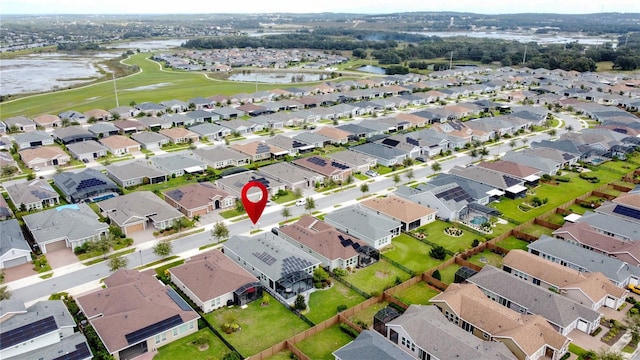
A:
382	317
463	274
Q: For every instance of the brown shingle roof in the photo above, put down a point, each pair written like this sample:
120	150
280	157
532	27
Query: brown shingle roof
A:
118	142
196	195
212	274
509	167
398	208
332	133
132	301
632	200
529	332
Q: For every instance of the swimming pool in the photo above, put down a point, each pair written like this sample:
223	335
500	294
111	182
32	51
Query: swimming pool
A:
479	220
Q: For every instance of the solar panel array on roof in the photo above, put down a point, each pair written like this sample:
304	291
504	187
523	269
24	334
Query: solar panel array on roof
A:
510	181
88	183
626	211
456	194
339	166
262	148
69	183
261	180
412	141
391	142
266	258
317	161
178	300
297	144
153	329
81	352
294	263
26	332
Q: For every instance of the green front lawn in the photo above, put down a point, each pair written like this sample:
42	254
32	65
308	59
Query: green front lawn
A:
486	257
323	304
377	277
261	326
435	233
411	253
184	349
513	243
321	345
419	293
448	274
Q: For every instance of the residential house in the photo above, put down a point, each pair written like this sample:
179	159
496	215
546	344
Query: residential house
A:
44	330
129	126
212	281
528	158
280	266
135	173
210	131
328	169
179	164
384	155
625	206
120	145
98	115
44	156
356	161
124	111
424	332
612	225
409	213
5	210
139	210
67	226
14	249
87	150
529	175
199	199
35	194
73	134
198	116
413	119
404	144
450	200
313	139
259	150
150	108
334	249
233	184
154	123
375	229
294	147
175	106
146	315
526	336
103	129
220	157
294	177
47	121
88	185
337	136
151	141
180	135
73	117
584	235
201	103
33	139
20	124
593	290
240	126
370	345
226	113
562	313
509	186
585	260
360	131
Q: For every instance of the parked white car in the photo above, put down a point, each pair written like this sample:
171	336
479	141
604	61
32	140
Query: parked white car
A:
301	202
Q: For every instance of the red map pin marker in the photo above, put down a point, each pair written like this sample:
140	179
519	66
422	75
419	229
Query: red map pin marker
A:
254	209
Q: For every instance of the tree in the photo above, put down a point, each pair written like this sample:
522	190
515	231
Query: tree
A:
286	213
483	152
8	170
609	355
409	174
552	132
220	231
117	262
512	143
524	141
310	204
632	322
300	303
163	248
364	188
569	128
438	252
436	167
396	179
5	294
297	192
407	162
239	206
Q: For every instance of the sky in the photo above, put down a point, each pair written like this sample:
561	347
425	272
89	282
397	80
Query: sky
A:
314	6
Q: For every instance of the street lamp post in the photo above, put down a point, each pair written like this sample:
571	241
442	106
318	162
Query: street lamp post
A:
140	252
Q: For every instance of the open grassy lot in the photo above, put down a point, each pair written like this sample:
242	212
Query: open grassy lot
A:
321	345
411	253
323	304
556	194
419	293
185	349
262	326
513	243
536	230
435	233
447	275
377	277
366	315
486	257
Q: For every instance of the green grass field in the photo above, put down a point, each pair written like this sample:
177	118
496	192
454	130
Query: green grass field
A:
486	257
321	345
448	274
513	243
436	234
323	304
411	253
366	315
377	277
185	349
419	293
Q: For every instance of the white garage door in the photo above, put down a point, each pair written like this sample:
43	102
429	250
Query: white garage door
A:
610	303
14	262
582	325
633	281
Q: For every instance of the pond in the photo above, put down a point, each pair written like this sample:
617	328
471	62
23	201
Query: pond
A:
372	69
277	77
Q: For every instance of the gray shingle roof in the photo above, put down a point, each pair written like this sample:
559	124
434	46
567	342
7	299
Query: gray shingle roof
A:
616	270
557	309
83	185
371	345
612	224
75	222
362	222
11	237
177	162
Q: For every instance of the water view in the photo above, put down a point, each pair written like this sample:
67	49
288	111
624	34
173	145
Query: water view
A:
372	69
525	37
277	77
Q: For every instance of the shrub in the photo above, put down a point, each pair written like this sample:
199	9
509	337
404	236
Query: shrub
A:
341	308
340	272
475	243
563	179
438	252
349	330
436	275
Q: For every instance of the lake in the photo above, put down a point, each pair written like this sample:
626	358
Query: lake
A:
372	69
524	37
277	77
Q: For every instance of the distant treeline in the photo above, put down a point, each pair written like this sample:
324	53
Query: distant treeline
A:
79	46
416	50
